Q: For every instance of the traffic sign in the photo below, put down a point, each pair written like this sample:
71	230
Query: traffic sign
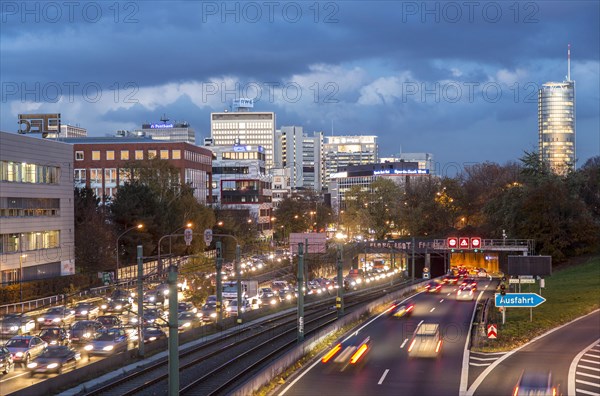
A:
187	236
476	243
527	280
519	300
452	242
511	280
463	243
208	235
492	332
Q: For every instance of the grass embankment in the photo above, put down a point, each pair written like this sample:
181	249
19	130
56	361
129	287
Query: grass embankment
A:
570	293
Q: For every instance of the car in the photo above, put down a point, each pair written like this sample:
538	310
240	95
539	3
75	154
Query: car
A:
465	293
398	310
232	308
153	333
56	316
347	353
186	306
154	297
187	320
109	321
268	297
84	330
6	361
211	299
163	288
208	312
53	360
25	348
433	287
121	294
450	280
86	310
118	305
108	342
16	324
54	336
153	316
535	383
426	341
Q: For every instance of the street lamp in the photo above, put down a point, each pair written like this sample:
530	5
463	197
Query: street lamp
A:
339	301
139	227
188	225
21	257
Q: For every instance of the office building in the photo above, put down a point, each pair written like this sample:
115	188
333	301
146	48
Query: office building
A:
301	155
245	128
100	163
425	160
36	208
556	124
340	151
164	131
68	131
240	183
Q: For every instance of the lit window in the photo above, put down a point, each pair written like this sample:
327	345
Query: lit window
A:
151	154
125	155
164	154
176	154
110	155
95	155
139	154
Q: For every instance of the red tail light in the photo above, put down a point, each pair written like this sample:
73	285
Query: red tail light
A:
331	353
410	308
516	392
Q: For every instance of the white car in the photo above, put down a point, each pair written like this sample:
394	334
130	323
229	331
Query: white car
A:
465	293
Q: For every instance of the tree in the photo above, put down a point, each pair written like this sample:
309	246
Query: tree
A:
94	237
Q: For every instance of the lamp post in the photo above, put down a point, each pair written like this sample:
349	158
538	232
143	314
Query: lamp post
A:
188	225
169	235
139	227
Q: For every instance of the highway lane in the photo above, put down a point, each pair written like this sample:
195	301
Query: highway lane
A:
387	369
553	352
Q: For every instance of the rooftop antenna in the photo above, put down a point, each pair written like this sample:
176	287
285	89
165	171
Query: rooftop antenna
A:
164	118
569	62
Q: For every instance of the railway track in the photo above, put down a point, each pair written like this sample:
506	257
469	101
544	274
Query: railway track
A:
217	366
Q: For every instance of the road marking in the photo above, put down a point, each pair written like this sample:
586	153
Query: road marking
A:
588	361
420	323
487	371
464	374
594	384
383	376
490	353
432	309
592	355
449	293
479	364
478	358
15	376
590	368
587	392
404	343
442	300
587	375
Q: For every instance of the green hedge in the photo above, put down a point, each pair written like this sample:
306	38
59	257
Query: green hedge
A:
47	287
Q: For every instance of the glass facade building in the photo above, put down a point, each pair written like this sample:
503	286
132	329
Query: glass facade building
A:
556	126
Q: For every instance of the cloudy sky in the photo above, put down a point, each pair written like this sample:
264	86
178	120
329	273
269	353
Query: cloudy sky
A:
456	79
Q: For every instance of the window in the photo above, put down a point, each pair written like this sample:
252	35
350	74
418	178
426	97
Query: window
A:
164	154
125	155
95	155
110	175
80	176
96	176
139	154
176	154
78	155
110	155
151	154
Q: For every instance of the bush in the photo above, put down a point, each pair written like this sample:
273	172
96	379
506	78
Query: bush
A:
47	287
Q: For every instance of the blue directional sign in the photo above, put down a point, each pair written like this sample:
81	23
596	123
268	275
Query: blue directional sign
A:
519	300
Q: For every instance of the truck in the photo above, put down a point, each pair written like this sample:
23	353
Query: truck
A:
426	341
249	290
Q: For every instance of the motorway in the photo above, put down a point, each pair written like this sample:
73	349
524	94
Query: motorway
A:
387	369
554	352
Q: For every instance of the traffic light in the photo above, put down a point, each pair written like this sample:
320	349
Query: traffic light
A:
502	290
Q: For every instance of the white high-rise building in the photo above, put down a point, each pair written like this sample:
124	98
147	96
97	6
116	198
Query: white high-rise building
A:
301	155
341	151
245	128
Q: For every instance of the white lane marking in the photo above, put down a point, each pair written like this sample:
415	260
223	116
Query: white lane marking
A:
15	376
587	392
589	361
442	300
420	323
432	309
480	364
587	375
464	374
489	353
594	384
592	355
573	368
383	376
590	368
404	343
488	370
478	358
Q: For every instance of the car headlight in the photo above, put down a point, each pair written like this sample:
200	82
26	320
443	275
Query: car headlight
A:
86	335
358	281
40	319
166	291
84	312
273	302
56	320
152	339
19	354
119	307
88	347
53	342
52	365
32	365
135	320
213	315
151	299
288	297
187	324
103	306
228	309
108	348
14	328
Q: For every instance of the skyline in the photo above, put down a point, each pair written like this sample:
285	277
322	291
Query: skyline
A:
459	81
